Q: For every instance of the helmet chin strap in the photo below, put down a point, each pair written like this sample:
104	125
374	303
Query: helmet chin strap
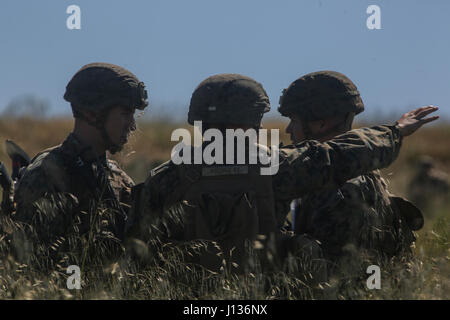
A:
306	129
99	123
109	144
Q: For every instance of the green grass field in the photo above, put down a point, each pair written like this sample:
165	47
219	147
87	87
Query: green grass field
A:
426	277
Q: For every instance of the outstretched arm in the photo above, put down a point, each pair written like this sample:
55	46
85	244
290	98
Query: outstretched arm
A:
311	165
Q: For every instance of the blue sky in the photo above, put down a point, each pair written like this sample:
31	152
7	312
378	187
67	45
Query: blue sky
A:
172	45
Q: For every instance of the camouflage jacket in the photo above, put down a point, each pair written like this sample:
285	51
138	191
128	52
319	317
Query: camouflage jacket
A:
357	218
64	193
303	168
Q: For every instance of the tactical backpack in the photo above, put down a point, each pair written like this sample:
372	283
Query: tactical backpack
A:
227	206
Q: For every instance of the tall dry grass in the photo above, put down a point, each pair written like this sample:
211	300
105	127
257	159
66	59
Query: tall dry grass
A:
427	276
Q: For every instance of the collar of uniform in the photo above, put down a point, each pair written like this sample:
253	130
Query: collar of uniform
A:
74	148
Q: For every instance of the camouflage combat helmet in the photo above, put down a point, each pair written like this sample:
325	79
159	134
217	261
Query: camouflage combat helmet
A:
229	99
99	86
321	95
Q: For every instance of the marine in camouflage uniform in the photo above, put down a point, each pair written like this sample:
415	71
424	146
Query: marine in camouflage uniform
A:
73	202
429	184
358	218
303	168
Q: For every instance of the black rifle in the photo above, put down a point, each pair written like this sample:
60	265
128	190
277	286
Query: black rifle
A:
20	159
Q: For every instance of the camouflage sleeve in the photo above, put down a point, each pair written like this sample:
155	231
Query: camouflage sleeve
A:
122	184
312	165
152	198
42	216
123	178
31	187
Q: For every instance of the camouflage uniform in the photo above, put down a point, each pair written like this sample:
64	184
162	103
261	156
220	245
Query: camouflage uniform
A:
71	203
70	168
428	184
63	191
359	218
303	167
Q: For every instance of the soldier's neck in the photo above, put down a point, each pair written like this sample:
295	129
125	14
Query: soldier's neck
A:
90	137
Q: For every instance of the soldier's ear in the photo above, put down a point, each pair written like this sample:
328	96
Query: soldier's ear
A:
91	117
321	125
